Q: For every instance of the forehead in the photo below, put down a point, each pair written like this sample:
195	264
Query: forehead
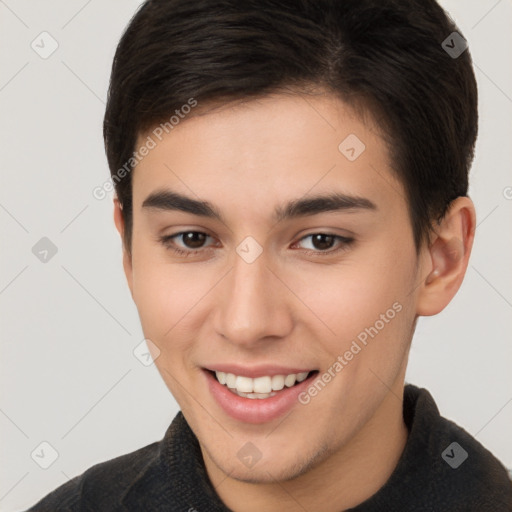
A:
261	152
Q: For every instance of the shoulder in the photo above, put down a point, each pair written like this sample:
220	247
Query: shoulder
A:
163	476
472	471
102	485
456	467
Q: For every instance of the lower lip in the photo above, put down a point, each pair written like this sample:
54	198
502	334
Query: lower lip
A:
255	410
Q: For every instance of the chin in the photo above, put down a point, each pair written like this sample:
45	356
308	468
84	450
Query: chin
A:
277	468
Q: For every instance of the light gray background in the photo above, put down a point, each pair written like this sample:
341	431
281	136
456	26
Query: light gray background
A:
68	374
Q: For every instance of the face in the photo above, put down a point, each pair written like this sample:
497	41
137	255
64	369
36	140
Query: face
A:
295	282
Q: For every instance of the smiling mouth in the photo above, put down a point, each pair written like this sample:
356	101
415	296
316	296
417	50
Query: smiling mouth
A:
260	387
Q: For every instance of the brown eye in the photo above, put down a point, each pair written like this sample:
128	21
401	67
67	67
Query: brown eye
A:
324	242
193	239
192	242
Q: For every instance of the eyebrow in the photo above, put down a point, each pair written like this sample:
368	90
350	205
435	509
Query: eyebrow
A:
168	200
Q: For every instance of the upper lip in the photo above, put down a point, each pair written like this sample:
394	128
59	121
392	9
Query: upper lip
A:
257	370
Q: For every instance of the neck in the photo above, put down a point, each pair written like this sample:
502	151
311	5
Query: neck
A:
343	480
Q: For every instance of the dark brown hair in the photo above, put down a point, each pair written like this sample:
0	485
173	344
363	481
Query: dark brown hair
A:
387	53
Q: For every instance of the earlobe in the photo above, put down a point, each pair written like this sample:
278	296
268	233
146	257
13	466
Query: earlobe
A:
447	257
120	226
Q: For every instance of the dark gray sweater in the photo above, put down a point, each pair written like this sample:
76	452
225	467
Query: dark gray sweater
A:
441	469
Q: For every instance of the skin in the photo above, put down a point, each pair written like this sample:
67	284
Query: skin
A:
289	306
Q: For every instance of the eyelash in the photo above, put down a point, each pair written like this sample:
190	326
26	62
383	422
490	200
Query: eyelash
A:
345	243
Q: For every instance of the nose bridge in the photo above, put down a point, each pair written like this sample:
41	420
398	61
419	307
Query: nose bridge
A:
251	306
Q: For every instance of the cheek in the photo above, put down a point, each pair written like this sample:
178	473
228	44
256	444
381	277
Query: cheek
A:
165	295
364	301
168	299
347	297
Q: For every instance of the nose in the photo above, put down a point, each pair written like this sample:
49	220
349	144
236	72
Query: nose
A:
253	305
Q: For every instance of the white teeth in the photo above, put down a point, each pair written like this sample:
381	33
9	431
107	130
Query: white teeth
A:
230	380
277	382
244	384
252	395
260	387
301	376
289	380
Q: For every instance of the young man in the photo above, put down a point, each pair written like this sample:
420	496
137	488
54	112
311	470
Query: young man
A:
291	184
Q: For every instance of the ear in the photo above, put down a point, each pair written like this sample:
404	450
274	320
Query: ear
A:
446	258
127	260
